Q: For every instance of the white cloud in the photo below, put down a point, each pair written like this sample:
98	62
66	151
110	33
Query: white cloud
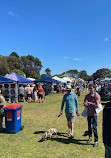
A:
65	57
76	59
105	39
12	14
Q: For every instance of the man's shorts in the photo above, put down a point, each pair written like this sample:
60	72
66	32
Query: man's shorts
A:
21	95
29	95
41	96
70	117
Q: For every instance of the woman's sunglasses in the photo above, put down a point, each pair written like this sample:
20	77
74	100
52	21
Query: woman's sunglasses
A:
91	88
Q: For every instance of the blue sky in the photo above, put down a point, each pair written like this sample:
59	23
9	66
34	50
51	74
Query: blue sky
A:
63	34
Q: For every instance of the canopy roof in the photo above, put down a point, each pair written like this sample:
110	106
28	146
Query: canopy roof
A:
66	79
59	79
17	77
5	80
106	79
46	79
32	79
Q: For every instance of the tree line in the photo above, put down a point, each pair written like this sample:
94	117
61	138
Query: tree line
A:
31	66
24	65
101	73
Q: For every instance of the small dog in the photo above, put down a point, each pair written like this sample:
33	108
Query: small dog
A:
49	133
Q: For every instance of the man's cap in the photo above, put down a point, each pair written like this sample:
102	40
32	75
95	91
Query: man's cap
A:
68	88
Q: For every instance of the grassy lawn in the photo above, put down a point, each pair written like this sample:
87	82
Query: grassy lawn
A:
39	117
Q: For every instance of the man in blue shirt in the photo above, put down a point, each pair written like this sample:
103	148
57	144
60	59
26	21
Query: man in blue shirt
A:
70	99
21	93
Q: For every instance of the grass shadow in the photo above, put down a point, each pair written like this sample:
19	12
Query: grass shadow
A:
85	133
58	133
41	140
3	131
39	132
62	134
68	141
64	140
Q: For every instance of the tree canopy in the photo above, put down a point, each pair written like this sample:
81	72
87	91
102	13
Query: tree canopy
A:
72	73
48	72
28	65
101	73
31	67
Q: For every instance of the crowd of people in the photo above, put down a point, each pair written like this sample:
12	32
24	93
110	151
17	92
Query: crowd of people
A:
70	100
31	92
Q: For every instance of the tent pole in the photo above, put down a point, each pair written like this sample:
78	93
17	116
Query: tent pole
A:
16	91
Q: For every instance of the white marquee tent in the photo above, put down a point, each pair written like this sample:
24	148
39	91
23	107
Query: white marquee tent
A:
59	79
66	79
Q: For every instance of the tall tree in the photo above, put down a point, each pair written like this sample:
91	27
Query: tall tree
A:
48	72
72	73
15	54
83	75
14	62
4	67
101	73
37	65
31	66
18	71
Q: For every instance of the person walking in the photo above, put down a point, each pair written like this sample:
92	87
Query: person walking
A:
70	99
92	101
35	93
40	93
29	93
21	93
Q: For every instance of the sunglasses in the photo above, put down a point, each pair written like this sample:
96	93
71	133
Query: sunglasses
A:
91	88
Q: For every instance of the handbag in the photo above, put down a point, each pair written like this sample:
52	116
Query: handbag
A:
84	113
98	109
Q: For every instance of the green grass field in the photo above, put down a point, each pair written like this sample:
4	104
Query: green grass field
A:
39	117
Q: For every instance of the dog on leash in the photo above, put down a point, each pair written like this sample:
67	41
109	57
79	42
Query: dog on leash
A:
49	133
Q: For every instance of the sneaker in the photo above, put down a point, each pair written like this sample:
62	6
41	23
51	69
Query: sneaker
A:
95	144
71	137
90	139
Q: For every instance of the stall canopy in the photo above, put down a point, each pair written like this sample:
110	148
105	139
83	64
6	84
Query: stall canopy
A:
17	77
46	79
32	79
4	80
66	79
59	79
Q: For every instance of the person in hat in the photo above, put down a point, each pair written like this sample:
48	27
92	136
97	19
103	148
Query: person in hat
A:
71	100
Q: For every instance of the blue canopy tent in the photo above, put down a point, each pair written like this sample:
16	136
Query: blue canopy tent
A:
4	86
46	79
19	78
4	80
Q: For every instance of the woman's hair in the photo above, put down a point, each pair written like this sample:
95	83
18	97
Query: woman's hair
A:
92	85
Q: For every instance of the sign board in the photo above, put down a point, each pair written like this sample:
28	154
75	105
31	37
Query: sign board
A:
9	116
18	114
90	82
